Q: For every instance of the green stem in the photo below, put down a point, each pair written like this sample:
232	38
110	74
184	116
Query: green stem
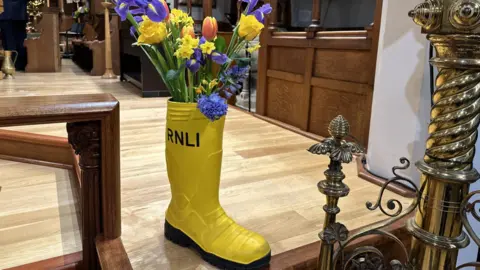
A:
158	62
233	40
168	53
190	85
162	61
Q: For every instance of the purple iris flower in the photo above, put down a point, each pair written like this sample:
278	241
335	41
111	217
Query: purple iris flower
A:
251	5
122	8
133	31
232	79
261	12
212	106
193	65
219	58
154	9
197	55
202	40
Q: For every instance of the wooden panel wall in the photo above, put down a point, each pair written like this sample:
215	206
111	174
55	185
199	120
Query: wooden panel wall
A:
306	80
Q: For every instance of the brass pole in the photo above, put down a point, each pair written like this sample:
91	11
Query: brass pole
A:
333	187
108	44
453	27
316	18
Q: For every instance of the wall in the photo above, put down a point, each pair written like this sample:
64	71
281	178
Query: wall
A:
401	101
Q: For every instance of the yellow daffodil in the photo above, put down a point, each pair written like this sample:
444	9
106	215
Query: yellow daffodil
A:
204	82
179	17
152	32
184	52
200	90
254	48
249	27
207	47
176	16
212	84
188	21
190	41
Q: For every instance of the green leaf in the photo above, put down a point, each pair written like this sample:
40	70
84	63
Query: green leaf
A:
220	44
172	74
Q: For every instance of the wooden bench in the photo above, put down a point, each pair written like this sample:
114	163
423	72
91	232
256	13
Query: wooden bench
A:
89	52
94	135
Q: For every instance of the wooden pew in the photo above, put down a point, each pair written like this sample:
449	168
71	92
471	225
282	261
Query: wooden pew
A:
89	52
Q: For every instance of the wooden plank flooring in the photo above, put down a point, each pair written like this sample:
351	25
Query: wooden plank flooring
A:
268	180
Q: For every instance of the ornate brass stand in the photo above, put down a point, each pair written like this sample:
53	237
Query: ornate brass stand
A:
453	27
443	199
339	152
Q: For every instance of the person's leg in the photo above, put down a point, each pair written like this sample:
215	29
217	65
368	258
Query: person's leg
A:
20	34
8	40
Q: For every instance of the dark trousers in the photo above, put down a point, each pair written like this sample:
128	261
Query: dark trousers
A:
13	36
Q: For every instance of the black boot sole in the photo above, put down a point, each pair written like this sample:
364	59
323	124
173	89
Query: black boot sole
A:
178	237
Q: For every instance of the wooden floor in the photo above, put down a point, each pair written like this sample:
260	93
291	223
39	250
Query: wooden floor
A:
268	183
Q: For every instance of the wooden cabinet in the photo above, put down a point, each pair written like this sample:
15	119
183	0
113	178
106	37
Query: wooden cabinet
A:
307	78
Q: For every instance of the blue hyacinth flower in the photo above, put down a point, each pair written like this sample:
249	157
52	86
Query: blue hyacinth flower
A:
212	106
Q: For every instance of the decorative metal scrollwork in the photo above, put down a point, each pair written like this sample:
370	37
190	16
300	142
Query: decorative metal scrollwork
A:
392	204
370	257
334	233
366	258
472	208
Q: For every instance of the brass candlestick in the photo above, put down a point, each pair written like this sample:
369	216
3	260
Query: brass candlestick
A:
333	188
108	44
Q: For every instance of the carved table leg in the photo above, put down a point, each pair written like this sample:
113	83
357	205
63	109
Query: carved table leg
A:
85	140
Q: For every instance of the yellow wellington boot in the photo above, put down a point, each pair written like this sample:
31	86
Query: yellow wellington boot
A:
194	217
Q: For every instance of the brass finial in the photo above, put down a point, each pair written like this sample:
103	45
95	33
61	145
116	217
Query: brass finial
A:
339	127
336	147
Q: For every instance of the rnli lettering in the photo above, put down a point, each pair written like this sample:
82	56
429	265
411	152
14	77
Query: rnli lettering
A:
183	138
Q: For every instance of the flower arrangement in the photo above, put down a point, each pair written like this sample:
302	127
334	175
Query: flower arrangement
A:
184	61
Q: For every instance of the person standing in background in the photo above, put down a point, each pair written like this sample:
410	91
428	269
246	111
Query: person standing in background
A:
13	22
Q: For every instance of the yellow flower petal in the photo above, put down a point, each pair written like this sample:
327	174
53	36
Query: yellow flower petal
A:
207	47
254	48
249	27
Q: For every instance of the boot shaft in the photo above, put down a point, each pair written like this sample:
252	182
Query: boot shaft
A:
193	156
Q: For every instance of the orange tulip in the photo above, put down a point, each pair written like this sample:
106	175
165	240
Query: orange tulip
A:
210	28
167	9
187	30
